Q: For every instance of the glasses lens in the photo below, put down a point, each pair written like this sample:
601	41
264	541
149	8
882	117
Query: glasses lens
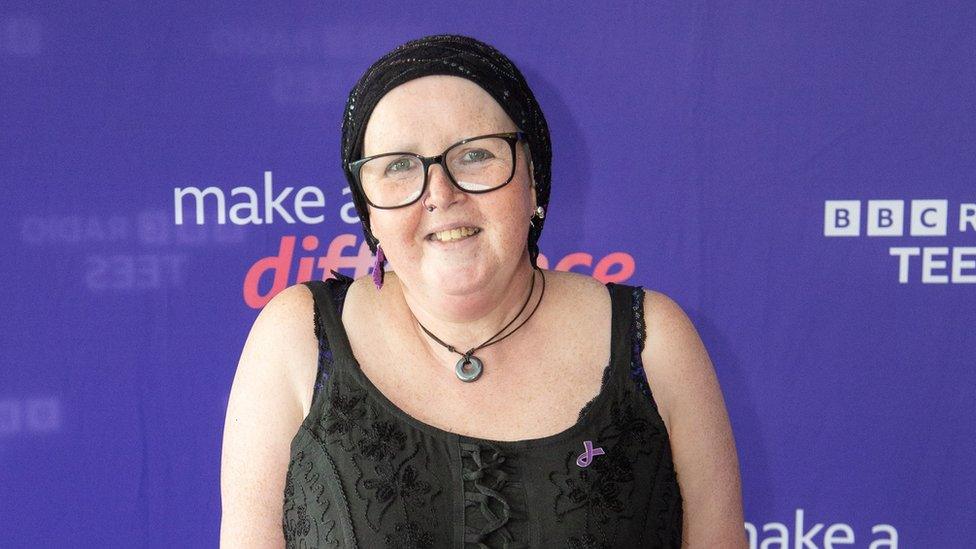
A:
478	165
392	180
481	164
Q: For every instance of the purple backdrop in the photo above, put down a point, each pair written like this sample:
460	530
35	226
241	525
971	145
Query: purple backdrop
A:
800	178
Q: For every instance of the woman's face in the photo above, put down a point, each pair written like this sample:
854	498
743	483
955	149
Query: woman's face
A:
425	116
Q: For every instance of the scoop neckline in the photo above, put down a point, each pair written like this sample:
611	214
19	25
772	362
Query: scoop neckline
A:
608	380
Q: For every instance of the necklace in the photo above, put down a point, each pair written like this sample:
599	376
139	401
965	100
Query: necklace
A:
469	367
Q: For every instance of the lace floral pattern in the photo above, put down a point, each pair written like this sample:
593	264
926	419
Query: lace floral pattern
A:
586	541
366	477
603	491
296	523
410	534
392	482
633	440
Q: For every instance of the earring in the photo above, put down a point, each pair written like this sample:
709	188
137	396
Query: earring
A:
378	271
540	212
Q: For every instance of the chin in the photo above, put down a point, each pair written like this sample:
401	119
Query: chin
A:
459	280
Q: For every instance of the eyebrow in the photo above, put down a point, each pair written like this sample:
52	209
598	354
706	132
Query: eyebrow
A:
412	148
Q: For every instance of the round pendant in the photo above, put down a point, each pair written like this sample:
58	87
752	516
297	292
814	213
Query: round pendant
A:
468	369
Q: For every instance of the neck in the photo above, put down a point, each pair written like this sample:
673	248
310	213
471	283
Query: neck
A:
467	321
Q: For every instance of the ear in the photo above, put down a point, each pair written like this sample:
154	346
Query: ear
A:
532	184
535	200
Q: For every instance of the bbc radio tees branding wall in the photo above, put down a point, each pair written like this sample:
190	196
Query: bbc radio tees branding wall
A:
800	178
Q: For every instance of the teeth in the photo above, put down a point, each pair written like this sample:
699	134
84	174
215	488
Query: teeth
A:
455	234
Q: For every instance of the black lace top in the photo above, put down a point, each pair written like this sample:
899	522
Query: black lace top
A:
364	473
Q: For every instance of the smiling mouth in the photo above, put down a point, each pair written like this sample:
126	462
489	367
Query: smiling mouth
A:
453	234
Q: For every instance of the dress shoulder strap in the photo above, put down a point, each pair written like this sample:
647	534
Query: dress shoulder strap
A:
629	309
329	296
621	317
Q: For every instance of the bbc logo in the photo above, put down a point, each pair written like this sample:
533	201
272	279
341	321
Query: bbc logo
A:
888	218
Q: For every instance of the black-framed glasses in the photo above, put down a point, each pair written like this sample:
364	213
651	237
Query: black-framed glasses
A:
474	165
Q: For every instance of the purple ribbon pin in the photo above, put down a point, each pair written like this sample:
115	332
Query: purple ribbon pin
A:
588	454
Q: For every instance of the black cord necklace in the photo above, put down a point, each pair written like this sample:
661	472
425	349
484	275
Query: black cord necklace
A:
469	367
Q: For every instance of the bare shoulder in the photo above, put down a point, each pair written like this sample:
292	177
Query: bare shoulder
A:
578	307
673	353
686	390
580	291
285	329
265	407
362	296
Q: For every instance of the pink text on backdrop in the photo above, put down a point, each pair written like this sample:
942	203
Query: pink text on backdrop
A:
613	267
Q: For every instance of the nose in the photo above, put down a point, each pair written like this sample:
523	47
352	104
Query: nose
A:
441	193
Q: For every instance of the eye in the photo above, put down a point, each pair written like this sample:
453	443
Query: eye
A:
399	165
476	155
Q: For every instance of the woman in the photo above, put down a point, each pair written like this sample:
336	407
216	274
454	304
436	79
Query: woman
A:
468	398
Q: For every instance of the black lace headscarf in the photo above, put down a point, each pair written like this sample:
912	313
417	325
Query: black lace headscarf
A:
452	55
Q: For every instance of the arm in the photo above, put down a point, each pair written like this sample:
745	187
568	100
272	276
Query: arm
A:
688	395
265	408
